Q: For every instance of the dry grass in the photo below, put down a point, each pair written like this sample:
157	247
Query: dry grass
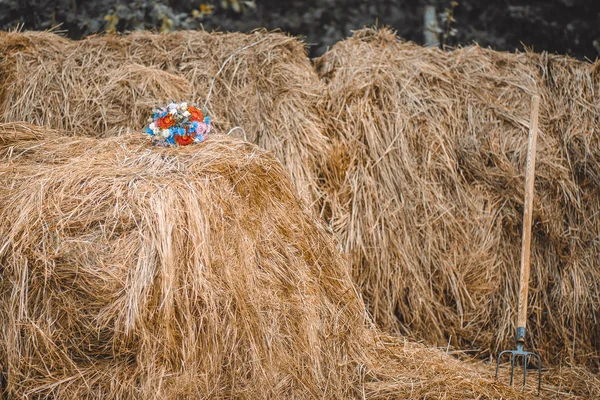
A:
136	272
107	85
426	182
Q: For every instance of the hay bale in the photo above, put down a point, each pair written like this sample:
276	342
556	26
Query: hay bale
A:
136	272
107	85
426	186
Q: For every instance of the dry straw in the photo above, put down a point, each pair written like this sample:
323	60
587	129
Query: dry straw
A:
425	189
133	272
106	85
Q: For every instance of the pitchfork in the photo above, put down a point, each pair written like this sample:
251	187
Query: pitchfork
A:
525	252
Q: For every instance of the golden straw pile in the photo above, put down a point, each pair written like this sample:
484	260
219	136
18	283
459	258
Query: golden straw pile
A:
425	187
108	85
129	271
137	272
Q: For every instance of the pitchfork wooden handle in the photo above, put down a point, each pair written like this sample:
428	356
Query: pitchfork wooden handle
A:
528	207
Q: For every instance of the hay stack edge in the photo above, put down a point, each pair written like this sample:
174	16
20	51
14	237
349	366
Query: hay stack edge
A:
137	272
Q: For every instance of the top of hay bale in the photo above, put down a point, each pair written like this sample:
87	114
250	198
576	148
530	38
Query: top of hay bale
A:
426	185
137	272
108	85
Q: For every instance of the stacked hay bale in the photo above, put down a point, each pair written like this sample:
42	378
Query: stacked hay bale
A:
426	182
135	272
107	85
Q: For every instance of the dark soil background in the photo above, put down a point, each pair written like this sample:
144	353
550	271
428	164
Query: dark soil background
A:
562	26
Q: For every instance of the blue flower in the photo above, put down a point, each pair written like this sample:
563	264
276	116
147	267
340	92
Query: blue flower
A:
159	113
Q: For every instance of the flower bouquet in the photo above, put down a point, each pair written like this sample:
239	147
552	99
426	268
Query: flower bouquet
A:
178	124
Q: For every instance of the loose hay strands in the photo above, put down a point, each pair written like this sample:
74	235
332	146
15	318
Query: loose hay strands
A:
108	85
134	272
425	189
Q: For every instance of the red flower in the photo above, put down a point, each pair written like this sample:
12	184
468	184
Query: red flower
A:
197	115
166	122
183	140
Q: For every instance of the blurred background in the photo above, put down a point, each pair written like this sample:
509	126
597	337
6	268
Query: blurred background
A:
562	26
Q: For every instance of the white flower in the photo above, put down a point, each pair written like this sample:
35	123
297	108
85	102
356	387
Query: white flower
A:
186	113
183	106
156	131
165	133
152	126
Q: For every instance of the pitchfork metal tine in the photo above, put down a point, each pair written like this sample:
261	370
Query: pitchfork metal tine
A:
525	369
498	361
